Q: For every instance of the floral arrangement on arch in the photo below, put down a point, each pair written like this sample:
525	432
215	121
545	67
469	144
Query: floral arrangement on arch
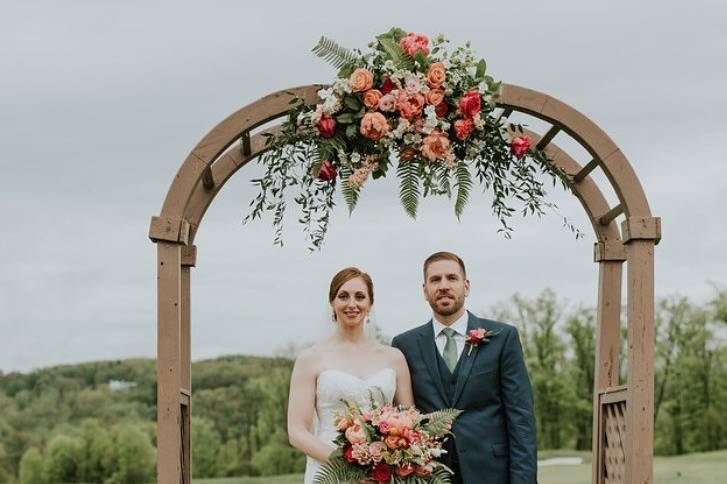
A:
412	105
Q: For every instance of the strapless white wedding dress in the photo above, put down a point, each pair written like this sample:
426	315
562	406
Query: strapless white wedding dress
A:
334	385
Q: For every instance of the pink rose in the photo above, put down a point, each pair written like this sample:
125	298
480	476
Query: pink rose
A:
463	128
410	106
469	104
387	86
435	146
374	126
520	145
328	173
326	126
436	75
441	109
355	434
377	451
425	470
387	103
414	43
361	80
435	97
371	98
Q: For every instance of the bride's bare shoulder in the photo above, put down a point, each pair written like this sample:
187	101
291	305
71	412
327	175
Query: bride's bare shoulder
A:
313	355
394	355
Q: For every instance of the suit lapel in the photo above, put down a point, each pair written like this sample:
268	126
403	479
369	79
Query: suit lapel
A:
467	360
429	355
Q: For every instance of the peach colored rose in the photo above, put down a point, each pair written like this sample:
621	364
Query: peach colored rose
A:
435	97
355	434
463	128
436	75
435	146
371	98
520	145
343	423
361	80
392	442
410	106
414	43
374	126
387	103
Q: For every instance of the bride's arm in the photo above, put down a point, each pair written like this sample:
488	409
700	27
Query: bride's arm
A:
404	394
301	405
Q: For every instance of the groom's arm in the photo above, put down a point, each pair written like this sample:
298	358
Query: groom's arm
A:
518	399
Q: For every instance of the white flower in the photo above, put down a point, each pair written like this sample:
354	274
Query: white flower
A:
482	87
413	84
478	121
430	112
409	138
355	157
389	65
445	125
325	93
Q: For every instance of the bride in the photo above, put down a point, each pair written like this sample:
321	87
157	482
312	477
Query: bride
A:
345	365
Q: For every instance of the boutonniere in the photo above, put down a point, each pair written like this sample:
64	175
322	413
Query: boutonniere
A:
477	336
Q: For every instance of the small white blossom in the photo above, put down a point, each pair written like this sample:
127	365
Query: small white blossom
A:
355	157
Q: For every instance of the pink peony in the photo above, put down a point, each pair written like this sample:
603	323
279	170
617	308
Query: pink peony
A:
387	103
374	126
355	434
410	106
520	145
414	43
376	449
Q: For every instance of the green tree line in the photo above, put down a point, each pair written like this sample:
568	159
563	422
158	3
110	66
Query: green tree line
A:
94	422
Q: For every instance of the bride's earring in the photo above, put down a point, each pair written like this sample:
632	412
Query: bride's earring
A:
368	319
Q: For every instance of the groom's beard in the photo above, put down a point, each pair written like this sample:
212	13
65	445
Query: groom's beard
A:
446	306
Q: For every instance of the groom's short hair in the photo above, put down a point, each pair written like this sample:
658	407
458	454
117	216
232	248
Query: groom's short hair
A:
437	256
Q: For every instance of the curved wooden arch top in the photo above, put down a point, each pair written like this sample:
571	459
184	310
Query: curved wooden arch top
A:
188	198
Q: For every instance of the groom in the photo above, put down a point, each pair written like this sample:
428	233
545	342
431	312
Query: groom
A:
494	438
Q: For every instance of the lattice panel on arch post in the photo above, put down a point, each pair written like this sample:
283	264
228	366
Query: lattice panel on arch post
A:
612	455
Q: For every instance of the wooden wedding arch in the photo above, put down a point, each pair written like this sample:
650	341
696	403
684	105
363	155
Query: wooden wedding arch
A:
623	414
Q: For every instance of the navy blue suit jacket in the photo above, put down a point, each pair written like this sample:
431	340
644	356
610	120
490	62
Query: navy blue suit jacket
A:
495	434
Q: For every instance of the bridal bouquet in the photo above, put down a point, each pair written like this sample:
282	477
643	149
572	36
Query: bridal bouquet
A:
410	105
389	444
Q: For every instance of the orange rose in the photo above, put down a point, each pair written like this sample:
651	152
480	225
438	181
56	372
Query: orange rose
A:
435	146
371	98
374	126
361	80
435	97
436	75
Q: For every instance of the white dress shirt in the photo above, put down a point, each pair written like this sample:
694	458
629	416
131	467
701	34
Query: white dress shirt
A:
460	328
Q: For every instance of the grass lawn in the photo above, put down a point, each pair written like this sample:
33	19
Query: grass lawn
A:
707	468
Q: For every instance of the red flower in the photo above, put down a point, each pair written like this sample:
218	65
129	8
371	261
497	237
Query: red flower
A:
327	171
441	109
387	86
348	454
469	104
520	145
381	472
326	126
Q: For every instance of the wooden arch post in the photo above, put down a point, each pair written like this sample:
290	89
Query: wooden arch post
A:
622	414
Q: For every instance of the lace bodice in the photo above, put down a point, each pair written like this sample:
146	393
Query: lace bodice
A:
334	385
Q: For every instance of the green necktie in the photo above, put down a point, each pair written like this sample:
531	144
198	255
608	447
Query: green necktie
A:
450	349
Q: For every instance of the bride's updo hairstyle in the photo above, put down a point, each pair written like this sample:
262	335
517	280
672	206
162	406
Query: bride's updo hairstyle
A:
346	275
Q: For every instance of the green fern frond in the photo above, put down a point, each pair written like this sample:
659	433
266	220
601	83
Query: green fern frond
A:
439	423
350	195
339	57
409	192
463	185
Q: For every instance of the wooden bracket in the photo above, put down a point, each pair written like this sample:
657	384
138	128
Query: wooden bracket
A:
189	255
641	228
169	230
610	250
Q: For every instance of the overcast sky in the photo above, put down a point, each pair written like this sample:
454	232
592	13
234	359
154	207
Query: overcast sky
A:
102	100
